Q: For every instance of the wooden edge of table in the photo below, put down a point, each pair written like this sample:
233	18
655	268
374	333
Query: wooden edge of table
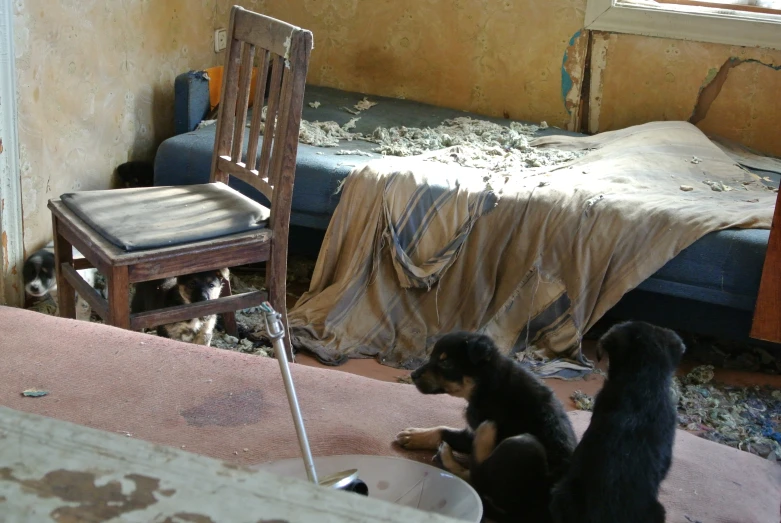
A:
43	458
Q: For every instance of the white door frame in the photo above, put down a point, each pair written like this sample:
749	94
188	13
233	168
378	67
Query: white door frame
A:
11	228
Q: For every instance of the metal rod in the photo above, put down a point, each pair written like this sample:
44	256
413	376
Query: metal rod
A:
276	333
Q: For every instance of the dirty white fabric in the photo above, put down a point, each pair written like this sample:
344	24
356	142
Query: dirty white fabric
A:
416	249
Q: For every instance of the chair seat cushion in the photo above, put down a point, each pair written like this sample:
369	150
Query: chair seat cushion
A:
155	217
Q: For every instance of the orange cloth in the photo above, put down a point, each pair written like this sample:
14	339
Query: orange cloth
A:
215	85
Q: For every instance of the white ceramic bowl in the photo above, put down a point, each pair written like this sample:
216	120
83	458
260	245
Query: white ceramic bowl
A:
397	480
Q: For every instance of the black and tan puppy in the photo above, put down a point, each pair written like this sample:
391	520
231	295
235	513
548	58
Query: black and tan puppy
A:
500	391
627	449
170	292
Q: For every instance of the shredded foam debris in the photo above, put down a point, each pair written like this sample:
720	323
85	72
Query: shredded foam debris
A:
485	145
205	123
251	337
34	393
481	144
351	152
717	186
364	104
351	124
582	400
314	105
745	418
323	134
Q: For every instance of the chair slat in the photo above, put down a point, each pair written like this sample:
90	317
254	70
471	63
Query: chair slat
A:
257	111
250	176
227	111
271	114
245	80
145	320
265	32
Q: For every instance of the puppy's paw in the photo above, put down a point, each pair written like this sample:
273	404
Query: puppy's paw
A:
420	439
484	442
449	462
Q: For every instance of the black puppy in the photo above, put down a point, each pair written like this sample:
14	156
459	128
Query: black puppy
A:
500	391
627	449
190	288
136	174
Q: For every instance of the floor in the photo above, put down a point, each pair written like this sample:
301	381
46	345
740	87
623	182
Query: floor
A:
589	385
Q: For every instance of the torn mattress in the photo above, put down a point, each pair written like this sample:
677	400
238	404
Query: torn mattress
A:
418	247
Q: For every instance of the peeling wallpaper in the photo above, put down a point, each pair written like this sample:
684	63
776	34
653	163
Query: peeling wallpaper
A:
525	59
646	79
95	88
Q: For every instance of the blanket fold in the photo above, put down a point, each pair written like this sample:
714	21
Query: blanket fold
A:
418	247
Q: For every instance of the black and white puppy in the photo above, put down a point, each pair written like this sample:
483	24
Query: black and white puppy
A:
505	401
627	449
170	292
40	278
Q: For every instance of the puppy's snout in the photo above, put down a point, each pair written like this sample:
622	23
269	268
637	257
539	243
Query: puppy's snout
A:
417	373
35	287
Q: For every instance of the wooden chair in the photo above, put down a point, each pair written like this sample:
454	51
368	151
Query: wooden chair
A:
157	232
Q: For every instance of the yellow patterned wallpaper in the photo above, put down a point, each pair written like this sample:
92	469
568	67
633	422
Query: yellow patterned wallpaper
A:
524	59
95	88
493	57
96	78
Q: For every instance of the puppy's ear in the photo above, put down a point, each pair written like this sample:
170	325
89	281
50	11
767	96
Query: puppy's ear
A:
224	273
479	348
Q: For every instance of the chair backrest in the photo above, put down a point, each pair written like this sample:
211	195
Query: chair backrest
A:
283	52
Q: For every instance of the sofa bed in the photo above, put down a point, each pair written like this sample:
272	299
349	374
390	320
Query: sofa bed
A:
709	288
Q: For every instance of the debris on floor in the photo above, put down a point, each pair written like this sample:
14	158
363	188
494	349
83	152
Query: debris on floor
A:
582	400
251	325
34	393
407	379
719	352
746	418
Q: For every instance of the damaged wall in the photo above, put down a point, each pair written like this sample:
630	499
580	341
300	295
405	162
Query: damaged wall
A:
95	88
640	79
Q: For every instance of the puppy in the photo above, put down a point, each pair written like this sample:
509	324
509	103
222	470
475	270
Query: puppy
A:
627	449
136	174
170	292
40	279
498	390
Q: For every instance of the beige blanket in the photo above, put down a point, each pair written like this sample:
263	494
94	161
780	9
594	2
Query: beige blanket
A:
418	248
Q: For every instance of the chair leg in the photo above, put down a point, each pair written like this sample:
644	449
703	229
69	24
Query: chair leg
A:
118	297
276	283
63	253
229	318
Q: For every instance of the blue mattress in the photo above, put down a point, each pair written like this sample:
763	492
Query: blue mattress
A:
722	269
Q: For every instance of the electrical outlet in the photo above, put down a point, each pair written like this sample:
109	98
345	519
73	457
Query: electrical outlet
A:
220	40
